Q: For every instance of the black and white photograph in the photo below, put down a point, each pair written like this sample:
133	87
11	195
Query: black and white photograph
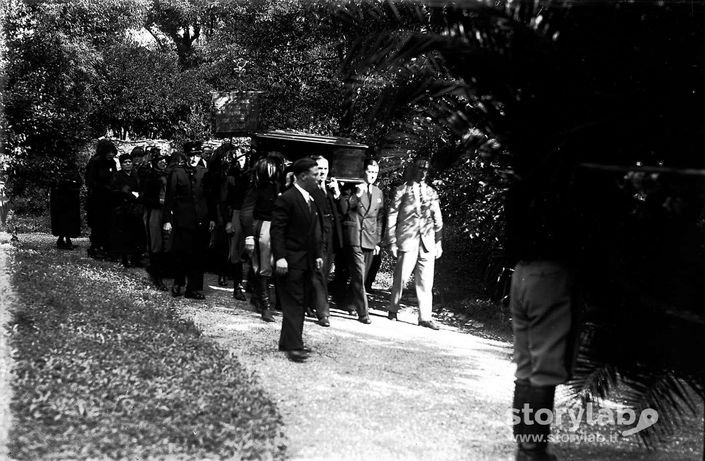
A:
317	230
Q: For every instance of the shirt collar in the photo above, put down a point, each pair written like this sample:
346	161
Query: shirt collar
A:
304	192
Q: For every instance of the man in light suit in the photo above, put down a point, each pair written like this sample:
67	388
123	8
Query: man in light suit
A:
414	234
299	248
362	234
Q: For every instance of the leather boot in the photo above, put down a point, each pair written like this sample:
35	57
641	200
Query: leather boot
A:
532	438
239	292
255	299
267	313
239	282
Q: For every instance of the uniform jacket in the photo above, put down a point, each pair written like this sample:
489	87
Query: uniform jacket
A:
186	202
412	217
297	231
364	218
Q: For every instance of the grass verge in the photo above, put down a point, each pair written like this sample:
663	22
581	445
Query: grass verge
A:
105	368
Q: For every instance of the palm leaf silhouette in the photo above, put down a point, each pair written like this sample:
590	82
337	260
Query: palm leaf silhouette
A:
583	94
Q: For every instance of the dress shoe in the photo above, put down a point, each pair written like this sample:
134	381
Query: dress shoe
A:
194	295
309	312
176	291
324	322
392	316
297	355
268	315
429	324
366	320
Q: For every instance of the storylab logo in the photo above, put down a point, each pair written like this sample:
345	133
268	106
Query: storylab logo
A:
626	418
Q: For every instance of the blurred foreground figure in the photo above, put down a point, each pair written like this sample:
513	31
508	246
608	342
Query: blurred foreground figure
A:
540	240
414	234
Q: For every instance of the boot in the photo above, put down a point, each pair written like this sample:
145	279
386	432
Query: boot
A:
267	313
239	292
532	439
239	289
155	273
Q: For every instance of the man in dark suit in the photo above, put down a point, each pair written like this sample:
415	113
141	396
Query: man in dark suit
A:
362	233
189	218
299	248
326	195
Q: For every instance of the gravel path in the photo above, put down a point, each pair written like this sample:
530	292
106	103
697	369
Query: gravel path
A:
5	359
389	390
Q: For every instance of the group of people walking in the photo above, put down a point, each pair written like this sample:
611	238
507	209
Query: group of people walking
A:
284	232
288	230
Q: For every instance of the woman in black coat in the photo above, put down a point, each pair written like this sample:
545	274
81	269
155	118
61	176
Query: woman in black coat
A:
65	206
153	194
100	172
127	233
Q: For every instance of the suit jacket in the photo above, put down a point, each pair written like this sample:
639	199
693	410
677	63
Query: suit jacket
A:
333	229
413	217
186	203
364	218
297	231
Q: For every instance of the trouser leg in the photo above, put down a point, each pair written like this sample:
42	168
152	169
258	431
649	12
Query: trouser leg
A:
292	295
541	296
423	276
402	271
357	285
371	273
319	293
197	259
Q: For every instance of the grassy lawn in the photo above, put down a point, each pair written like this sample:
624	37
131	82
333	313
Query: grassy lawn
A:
104	368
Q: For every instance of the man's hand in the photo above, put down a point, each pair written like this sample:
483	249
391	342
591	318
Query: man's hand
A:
211	226
229	227
439	249
360	189
282	267
166	227
249	244
376	250
333	184
395	251
319	264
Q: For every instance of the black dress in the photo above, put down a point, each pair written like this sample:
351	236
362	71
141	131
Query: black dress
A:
65	206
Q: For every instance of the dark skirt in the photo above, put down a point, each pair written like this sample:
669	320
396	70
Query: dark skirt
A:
65	211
